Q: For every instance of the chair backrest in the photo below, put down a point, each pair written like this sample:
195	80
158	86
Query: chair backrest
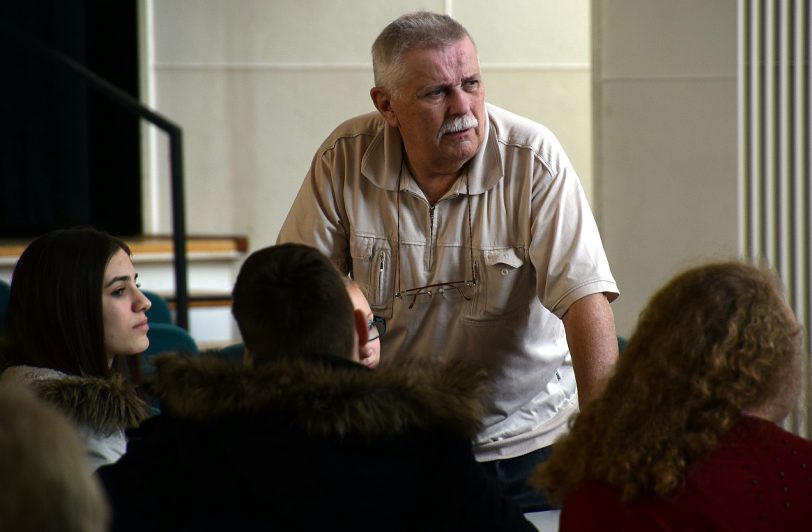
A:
166	338
621	344
159	312
5	291
231	353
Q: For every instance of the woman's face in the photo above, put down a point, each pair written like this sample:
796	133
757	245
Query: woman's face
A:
783	397
369	354
790	390
123	309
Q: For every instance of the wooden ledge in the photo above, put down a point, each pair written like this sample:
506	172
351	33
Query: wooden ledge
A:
151	244
194	244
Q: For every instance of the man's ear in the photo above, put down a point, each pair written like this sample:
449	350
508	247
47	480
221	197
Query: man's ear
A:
383	103
361	327
247	358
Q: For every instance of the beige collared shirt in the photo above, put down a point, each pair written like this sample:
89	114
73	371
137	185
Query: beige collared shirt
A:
535	249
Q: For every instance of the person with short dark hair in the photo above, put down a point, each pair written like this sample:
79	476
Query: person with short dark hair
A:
75	312
685	436
282	309
304	437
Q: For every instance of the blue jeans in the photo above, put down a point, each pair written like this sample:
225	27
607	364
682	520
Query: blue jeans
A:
512	473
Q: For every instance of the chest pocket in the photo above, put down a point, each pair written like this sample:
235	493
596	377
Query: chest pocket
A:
506	284
372	268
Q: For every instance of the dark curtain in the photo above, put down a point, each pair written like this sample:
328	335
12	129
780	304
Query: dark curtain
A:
67	155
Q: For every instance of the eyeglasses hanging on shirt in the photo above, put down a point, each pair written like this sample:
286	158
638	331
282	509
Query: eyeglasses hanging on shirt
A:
439	288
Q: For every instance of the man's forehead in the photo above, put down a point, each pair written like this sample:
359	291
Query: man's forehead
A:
450	63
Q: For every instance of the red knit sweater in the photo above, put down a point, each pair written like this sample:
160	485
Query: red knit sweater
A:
759	478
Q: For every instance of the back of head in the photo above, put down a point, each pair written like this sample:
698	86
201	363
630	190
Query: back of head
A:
54	315
421	29
46	481
724	330
715	341
290	300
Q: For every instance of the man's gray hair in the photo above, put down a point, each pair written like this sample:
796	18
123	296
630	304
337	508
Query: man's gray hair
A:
421	29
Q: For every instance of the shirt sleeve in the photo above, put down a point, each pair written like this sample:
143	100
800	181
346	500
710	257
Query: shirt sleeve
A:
317	217
566	248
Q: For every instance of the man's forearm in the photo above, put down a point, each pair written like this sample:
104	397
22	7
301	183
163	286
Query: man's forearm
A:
592	339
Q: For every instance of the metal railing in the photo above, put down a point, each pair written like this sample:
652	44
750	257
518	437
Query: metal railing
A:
175	134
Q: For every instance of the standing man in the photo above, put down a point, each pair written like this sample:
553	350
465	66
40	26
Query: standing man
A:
468	230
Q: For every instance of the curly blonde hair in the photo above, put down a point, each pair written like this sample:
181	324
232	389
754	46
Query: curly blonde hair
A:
713	342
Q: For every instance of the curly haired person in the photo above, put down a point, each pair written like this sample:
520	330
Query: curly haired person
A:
685	436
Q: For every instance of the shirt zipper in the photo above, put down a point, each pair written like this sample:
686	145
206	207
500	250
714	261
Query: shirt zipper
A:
381	269
431	237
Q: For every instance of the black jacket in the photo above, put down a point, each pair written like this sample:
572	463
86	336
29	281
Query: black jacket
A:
308	444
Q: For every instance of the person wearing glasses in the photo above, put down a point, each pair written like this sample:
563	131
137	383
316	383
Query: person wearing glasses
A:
467	229
305	437
369	353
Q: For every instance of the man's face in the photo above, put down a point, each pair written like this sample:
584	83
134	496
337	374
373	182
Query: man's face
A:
369	354
442	86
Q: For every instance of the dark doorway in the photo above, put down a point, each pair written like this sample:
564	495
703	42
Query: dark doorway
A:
68	156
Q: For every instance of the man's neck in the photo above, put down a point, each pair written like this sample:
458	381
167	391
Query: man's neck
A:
434	185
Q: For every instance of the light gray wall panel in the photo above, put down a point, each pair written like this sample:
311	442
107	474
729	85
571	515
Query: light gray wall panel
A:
666	160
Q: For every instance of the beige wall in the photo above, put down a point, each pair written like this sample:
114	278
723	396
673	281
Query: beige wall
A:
665	146
258	84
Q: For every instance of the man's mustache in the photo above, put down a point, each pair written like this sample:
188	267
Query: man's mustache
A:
457	123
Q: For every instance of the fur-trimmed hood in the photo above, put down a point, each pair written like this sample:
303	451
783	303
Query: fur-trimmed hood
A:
325	396
104	405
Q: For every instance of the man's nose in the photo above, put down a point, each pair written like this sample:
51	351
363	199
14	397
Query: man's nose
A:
459	102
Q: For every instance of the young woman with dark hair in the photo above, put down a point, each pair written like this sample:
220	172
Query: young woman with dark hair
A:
74	310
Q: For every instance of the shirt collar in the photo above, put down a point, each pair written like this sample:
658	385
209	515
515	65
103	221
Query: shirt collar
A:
382	160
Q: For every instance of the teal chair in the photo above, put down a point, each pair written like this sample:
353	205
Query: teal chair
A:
231	353
5	291
159	312
166	338
621	344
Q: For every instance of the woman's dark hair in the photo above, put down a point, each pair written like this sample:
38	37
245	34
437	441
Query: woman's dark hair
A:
54	318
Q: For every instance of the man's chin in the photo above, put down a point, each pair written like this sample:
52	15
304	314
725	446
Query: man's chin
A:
462	148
